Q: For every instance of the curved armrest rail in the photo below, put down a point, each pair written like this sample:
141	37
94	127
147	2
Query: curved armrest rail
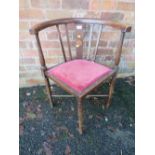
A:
38	27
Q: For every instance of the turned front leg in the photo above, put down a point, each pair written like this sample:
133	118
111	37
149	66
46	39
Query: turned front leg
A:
49	92
80	115
111	89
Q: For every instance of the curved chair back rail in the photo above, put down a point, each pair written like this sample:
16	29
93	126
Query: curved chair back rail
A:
65	21
38	27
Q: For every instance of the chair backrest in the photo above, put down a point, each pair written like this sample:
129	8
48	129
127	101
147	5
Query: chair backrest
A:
84	28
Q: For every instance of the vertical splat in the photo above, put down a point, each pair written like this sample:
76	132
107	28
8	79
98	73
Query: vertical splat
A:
89	41
61	43
79	40
97	43
68	42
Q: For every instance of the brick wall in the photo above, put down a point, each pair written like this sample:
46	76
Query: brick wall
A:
35	11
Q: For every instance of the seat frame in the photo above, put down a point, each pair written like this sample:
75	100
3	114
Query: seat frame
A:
110	77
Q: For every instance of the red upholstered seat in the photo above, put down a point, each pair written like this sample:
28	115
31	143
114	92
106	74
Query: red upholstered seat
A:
79	74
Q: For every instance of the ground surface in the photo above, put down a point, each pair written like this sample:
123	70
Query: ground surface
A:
46	131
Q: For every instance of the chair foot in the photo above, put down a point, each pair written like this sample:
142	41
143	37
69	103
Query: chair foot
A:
111	89
80	115
49	92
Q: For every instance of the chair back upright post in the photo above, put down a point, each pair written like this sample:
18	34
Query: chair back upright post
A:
119	49
40	52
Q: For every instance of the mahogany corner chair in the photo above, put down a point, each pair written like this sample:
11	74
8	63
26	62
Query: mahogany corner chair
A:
79	75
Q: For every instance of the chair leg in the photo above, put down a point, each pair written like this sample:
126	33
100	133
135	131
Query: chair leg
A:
111	89
49	92
80	115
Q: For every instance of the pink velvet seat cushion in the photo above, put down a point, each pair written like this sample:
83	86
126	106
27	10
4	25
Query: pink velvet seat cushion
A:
79	74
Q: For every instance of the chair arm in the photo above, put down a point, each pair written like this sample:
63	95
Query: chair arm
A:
38	27
122	27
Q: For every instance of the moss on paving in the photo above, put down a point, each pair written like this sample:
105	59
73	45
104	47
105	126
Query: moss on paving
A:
45	131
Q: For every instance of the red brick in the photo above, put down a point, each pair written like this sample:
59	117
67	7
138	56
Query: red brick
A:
129	17
109	36
35	81
125	6
23	25
113	44
102	5
109	4
71	26
42	35
32	74
127	50
51	60
29	53
78	4
31	14
130	57
32	23
109	58
58	14
54	52
129	43
54	4
50	44
52	35
22	44
101	43
25	44
32	67
23	4
92	14
25	35
117	16
27	61
105	51
39	3
95	5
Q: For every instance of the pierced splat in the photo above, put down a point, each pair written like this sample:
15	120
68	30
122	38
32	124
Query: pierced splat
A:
79	41
89	41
